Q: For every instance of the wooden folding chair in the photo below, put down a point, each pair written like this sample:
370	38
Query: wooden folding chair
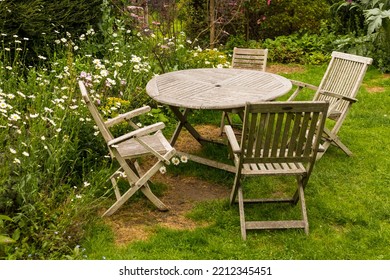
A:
339	86
126	149
253	59
280	139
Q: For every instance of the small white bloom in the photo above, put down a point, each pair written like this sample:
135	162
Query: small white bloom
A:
175	161
3	105
184	159
14	117
12	151
104	73
163	169
21	94
48	110
86	184
16	161
26	154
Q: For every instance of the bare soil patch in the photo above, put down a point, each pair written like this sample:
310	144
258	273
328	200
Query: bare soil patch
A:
284	69
137	220
375	89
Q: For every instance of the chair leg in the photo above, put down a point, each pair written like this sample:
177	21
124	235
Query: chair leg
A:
131	191
136	182
278	224
331	138
116	189
242	213
303	208
341	145
114	183
235	188
226	116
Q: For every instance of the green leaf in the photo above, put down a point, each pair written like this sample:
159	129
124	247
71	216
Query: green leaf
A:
6	240
5	218
16	234
375	24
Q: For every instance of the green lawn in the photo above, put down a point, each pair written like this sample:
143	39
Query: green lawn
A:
347	199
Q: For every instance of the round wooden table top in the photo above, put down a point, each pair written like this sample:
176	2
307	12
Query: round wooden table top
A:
216	88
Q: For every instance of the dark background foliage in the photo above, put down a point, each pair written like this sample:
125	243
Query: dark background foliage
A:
41	20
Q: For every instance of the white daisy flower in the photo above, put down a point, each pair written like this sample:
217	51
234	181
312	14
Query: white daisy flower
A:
184	159
163	170
175	161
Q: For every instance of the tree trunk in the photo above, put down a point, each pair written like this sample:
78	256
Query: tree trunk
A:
212	23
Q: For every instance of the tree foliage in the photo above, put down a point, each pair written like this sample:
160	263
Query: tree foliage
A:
253	19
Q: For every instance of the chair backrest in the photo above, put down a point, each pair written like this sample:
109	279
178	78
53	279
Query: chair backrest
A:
255	59
282	132
95	114
343	76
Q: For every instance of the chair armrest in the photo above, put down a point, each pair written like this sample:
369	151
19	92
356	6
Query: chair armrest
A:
127	116
300	86
339	96
232	139
137	133
303	85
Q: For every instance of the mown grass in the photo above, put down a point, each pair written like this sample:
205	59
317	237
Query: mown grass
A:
347	199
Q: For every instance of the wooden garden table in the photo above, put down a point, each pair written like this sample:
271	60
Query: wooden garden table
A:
224	89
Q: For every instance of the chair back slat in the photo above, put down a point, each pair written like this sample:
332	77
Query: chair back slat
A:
278	134
311	133
95	114
255	59
343	76
282	131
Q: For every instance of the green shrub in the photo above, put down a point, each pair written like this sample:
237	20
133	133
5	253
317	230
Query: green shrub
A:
302	49
40	20
373	38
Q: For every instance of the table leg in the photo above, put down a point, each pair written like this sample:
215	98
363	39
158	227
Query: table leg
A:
183	122
182	117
